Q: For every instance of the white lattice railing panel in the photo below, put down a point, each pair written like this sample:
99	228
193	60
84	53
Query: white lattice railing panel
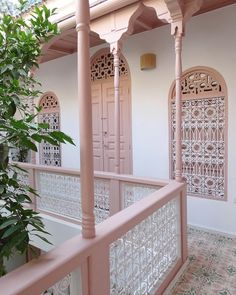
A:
23	177
101	199
141	259
203	146
133	192
60	288
61	194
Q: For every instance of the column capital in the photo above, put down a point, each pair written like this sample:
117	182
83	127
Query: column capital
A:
178	42
177	28
119	24
116	47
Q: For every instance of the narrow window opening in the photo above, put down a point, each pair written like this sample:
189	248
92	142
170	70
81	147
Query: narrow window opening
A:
50	114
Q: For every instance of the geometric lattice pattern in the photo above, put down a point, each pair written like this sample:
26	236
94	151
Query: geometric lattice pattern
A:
101	199
61	194
211	268
103	67
50	114
132	193
60	288
11	7
203	137
140	259
23	177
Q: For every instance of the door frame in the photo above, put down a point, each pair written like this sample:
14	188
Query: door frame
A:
127	78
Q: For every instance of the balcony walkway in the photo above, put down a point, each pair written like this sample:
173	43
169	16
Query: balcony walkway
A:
212	265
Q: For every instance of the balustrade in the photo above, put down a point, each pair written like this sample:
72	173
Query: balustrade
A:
139	250
60	195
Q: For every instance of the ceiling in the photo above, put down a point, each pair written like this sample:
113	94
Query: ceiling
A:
67	42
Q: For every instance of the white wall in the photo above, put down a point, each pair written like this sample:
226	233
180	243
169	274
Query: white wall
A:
217	50
60	231
210	41
59	76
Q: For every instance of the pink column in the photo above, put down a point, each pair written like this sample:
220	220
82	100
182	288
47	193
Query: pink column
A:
178	104
85	119
115	49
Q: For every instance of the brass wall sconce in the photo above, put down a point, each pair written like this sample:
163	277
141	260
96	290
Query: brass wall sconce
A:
148	61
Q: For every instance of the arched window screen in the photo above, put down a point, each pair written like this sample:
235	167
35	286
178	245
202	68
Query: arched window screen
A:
102	66
204	130
50	114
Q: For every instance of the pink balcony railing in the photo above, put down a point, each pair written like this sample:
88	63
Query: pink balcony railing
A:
59	191
136	251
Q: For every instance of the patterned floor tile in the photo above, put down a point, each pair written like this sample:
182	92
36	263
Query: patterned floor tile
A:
212	265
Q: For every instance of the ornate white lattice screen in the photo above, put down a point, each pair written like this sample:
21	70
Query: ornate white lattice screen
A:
142	258
102	67
50	114
203	133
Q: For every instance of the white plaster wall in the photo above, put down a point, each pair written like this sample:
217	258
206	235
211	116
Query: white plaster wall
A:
60	231
59	76
210	41
214	46
150	101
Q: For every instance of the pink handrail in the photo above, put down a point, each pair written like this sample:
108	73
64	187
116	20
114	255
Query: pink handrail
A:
38	275
97	174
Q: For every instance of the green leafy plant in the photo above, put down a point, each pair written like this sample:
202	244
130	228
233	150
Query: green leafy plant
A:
20	49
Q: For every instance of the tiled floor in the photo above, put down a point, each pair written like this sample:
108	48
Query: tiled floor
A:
212	265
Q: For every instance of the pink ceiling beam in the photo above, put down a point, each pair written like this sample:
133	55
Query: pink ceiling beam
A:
85	119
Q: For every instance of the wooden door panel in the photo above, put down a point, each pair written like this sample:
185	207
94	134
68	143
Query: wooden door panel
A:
104	127
97	127
126	159
109	131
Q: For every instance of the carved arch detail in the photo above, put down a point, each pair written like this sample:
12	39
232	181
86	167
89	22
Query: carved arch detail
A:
116	26
198	81
204	132
102	65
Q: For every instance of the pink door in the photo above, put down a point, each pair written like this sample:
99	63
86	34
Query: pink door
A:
97	127
103	126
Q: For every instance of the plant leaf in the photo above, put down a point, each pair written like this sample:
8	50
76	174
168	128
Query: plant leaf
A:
7	223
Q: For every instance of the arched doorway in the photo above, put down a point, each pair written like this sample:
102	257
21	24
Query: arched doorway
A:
204	132
102	73
50	114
